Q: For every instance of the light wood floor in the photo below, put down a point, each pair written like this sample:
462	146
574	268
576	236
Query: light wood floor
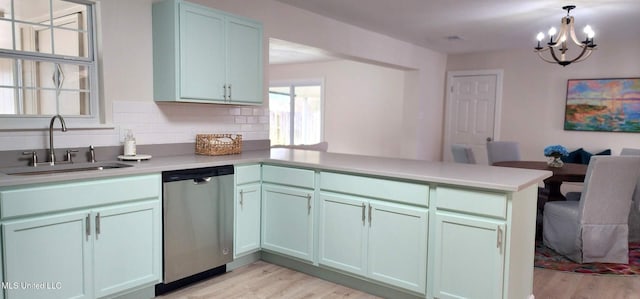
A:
264	280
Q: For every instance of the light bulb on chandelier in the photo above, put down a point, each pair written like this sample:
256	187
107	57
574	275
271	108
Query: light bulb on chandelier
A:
556	49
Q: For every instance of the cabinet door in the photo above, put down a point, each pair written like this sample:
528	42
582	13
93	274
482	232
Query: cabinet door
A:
343	233
398	245
244	61
127	243
287	221
202	54
469	256
247	228
54	250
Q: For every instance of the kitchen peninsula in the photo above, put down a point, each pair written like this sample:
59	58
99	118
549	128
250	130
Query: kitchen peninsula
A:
423	229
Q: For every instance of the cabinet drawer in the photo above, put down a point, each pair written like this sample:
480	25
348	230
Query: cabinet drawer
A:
288	176
376	188
45	198
247	174
471	201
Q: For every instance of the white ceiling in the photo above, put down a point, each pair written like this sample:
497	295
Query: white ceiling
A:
481	25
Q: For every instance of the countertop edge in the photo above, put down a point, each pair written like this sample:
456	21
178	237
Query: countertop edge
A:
472	176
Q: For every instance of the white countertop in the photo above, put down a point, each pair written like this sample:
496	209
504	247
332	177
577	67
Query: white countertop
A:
477	176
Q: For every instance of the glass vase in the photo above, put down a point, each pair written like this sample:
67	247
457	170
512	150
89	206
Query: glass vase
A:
555	161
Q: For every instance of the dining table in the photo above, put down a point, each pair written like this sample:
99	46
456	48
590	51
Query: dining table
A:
569	172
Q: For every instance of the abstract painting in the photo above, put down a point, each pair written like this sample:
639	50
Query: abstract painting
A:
611	105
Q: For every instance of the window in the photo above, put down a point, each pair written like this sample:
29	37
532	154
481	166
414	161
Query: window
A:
48	62
295	114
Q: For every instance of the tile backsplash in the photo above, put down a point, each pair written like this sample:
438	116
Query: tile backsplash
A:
153	123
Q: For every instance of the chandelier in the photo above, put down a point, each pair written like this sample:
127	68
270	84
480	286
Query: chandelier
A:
557	49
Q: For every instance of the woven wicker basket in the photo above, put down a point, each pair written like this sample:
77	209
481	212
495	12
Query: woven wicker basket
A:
218	144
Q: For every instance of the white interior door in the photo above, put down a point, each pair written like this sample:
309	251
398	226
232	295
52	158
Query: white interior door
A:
473	102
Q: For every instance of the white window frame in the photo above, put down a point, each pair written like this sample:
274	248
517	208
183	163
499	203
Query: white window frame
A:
302	82
39	122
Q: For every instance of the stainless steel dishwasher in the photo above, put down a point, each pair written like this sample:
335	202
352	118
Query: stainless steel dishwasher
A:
197	224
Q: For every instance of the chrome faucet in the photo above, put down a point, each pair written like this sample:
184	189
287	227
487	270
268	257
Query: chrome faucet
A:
52	155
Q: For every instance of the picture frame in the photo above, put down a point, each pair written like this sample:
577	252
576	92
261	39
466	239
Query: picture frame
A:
608	105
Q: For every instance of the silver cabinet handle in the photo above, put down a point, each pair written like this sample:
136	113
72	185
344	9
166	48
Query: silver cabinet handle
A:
308	204
241	198
363	218
97	225
224	90
229	86
499	241
369	215
87	221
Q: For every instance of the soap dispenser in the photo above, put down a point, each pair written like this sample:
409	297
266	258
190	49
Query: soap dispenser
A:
129	144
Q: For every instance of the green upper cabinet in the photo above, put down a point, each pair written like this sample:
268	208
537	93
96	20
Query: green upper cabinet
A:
244	61
206	56
202	54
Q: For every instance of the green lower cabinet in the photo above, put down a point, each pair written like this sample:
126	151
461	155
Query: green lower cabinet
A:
85	254
469	256
343	233
287	221
247	227
382	241
398	245
55	250
126	247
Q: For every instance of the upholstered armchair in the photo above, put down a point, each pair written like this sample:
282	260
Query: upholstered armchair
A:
502	151
634	214
595	228
463	154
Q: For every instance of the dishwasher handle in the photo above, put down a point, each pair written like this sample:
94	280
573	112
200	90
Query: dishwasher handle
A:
198	175
199	181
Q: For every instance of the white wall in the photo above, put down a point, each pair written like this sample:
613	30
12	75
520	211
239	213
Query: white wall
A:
363	104
424	89
534	95
127	68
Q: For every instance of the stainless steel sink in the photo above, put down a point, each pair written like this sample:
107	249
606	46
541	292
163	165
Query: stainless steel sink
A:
62	168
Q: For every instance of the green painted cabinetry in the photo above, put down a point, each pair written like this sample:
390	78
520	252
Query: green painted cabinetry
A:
205	55
287	211
83	239
460	241
384	241
53	249
483	243
247	209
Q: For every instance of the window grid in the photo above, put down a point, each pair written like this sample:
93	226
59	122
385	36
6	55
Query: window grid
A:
295	112
73	75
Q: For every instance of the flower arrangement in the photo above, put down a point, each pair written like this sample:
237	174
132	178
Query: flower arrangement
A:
555	151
